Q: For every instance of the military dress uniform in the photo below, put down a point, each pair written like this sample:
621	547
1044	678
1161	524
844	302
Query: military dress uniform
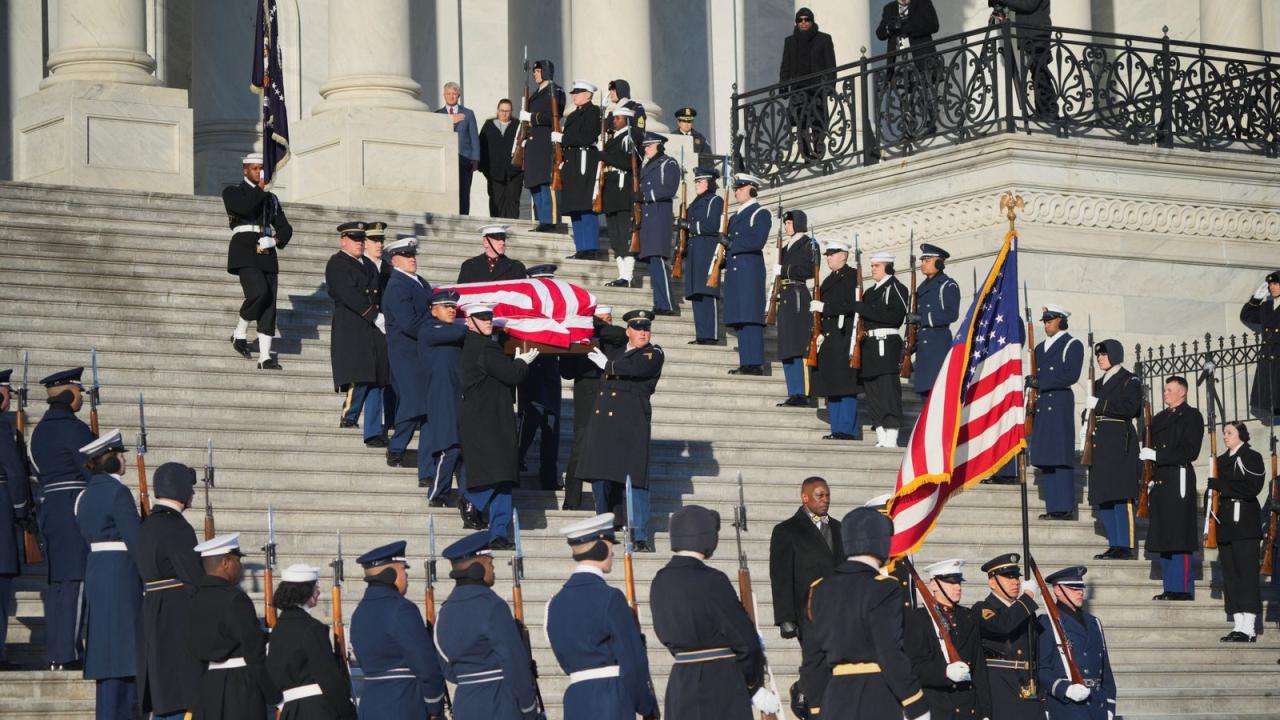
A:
882	311
1113	477
1051	448
700	144
539	399
313	681
483	268
1088	645
704	218
795	323
659	180
744	295
938	305
1241	476
406	306
586	379
539	155
1261	314
440	356
358	351
1008	630
833	378
621	154
16	510
580	173
949	700
1174	533
622	92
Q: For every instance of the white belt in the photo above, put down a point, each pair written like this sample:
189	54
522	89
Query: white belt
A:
300	692
608	671
883	333
108	546
484	676
228	664
246	228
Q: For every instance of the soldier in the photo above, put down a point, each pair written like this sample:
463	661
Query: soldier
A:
439	355
55	452
882	310
1116	400
595	637
834	379
492	264
616	445
402	674
384	403
957	690
480	643
168	671
586	388
795	324
225	634
937	305
1059	360
539	155
1095	699
16	514
620	97
749	229
719	660
703	227
375	236
1241	476
659	181
539	399
1007	621
1173	533
405	307
313	681
259	229
684	122
108	520
619	199
358	351
1261	314
578	175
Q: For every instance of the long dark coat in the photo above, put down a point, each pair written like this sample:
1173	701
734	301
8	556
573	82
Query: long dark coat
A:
478	269
496	150
1083	632
949	700
659	182
55	449
1052	441
798	555
580	172
440	353
1176	435
795	322
539	155
704	220
16	491
1240	479
357	350
248	204
406	305
744	265
487	424
938	303
168	671
302	655
918	27
113	593
1114	474
617	439
1264	317
224	625
833	377
586	384
884	306
800	59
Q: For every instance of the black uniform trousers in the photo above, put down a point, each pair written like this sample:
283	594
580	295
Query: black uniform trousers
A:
259	298
504	196
619	225
1240	560
884	400
585	391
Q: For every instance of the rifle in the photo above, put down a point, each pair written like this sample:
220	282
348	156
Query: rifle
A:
935	614
1269	548
913	328
597	202
1033	393
634	247
1148	466
682	237
517	606
1059	637
713	276
339	633
557	183
30	540
855	349
522	134
208	503
1211	504
1091	424
95	394
430	566
144	498
269	560
816	334
628	549
745	594
771	316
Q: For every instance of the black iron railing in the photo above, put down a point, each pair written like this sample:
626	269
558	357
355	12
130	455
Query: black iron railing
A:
1232	361
1010	78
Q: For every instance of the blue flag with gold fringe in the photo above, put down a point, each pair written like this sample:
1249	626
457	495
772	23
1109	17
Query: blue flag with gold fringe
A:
268	82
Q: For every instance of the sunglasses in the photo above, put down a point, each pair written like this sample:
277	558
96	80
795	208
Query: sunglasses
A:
803	20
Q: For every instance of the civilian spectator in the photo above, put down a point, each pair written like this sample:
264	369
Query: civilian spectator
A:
464	124
497	145
805	52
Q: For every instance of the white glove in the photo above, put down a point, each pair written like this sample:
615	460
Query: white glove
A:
958	672
266	242
598	358
526	117
925	716
816	306
766	702
528	356
777	271
1147	453
1077	693
557	136
1029	588
380	322
1262	292
1090	402
599	146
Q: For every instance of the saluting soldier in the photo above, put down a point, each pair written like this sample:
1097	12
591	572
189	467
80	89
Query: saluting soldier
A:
480	643
659	181
937	305
358	351
882	311
16	515
259	229
1261	314
402	673
579	174
744	299
314	682
1241	475
684	122
619	198
1173	533
168	671
55	452
594	635
586	378
1116	400
703	227
795	324
539	155
225	634
833	378
440	356
616	445
1007	622
405	307
956	690
1051	449
719	661
1095	699
492	264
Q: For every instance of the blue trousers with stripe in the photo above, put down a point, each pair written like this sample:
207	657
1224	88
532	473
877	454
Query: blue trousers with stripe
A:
1175	568
444	463
660	278
793	371
545	207
366	399
586	231
706	317
1117	518
496	501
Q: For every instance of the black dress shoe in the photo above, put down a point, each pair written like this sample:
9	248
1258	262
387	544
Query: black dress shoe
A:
269	364
377	441
438	501
6	666
545	227
798	401
635	283
1057	516
1161	596
1110	553
1235	636
644	546
748	370
1122	554
840	436
702	341
501	544
79	665
395	459
665	313
343	424
617	283
241	346
1181	596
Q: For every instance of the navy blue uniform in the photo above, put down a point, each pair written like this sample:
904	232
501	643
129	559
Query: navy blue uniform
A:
659	181
744	297
1004	629
598	644
938	304
539	396
882	311
440	357
15	495
402	677
704	218
405	307
483	654
1059	360
1089	648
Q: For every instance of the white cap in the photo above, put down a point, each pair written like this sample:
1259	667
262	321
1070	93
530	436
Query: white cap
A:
1057	310
494	229
404	245
600	526
746	179
301	573
955	566
624	111
220	545
253	158
604	310
476	307
110	441
835	246
878	501
882	257
583	86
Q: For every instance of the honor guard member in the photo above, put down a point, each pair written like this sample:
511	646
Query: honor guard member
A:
539	398
440	358
795	269
578	175
617	440
402	673
1051	448
595	637
703	227
882	311
1261	314
405	307
375	238
492	264
1173	534
539	155
1095	699
659	182
684	123
938	305
313	681
833	378
16	512
1241	476
259	229
586	388
719	660
487	421
957	690
168	671
55	453
620	97
226	635
480	643
1116	400
744	295
1007	622
619	192
358	351
108	520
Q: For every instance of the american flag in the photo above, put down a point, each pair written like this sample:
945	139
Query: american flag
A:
268	81
542	310
971	423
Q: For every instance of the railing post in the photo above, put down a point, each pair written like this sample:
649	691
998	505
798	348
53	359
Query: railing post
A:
1012	65
733	128
1271	146
870	126
1164	137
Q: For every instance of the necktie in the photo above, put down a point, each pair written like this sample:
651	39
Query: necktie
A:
826	532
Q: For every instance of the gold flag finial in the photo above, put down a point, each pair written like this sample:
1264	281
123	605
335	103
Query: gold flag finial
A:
1010	204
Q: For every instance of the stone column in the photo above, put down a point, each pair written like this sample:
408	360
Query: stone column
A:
1235	24
101	118
599	52
228	115
371	141
1073	14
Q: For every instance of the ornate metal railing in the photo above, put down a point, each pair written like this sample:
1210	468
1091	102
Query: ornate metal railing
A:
1234	359
1009	78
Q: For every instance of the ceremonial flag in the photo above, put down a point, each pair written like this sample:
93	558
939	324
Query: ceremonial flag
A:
542	310
972	422
268	81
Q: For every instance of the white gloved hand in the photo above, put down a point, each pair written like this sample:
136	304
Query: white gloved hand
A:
925	716
1147	453
528	356
766	702
526	117
598	358
1090	402
266	242
1262	292
1077	693
557	136
380	322
1029	588
599	146
816	306
777	271
958	672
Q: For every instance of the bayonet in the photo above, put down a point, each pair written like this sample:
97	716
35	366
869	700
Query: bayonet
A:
339	633
628	551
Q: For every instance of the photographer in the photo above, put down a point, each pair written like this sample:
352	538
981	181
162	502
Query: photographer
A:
1033	40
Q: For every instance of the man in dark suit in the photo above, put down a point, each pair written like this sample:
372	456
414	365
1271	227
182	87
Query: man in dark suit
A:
805	52
907	27
506	181
1033	18
464	124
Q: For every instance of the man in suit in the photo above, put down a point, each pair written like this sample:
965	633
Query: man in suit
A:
497	145
464	124
907	26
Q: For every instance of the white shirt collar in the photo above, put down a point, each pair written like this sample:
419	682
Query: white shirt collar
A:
883	280
692	554
249	182
415	277
590	570
868	561
747	204
1049	341
1110	373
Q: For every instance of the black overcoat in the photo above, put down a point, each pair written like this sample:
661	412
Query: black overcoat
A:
580	172
301	654
798	555
883	307
168	671
795	322
487	418
224	625
1113	477
538	153
617	440
1264	317
833	377
1240	478
357	349
479	269
248	204
1176	435
496	150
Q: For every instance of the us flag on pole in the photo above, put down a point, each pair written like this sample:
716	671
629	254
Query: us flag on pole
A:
972	422
268	81
542	310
